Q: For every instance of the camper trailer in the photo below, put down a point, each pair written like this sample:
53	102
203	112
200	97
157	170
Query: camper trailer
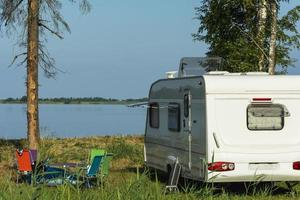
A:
224	127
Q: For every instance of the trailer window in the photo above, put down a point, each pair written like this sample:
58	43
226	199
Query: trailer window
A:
154	115
265	117
174	117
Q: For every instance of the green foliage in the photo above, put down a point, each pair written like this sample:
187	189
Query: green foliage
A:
230	27
288	37
121	149
223	25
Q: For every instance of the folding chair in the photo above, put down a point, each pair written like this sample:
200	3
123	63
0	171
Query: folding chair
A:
107	157
89	175
96	152
105	164
93	171
24	165
33	156
52	176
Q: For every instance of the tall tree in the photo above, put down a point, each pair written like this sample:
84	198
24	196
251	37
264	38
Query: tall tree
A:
262	17
235	31
33	18
33	133
225	25
273	37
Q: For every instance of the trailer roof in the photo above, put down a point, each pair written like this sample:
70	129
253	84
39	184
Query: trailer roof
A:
252	84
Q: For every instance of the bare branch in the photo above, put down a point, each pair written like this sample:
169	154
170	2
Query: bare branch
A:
23	61
51	31
47	63
85	6
16	57
8	13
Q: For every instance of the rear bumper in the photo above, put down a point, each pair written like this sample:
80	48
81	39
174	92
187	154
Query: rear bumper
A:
243	173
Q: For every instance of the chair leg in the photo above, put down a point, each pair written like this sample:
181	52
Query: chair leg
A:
86	184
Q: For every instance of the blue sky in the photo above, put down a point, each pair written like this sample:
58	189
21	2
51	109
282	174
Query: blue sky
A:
115	51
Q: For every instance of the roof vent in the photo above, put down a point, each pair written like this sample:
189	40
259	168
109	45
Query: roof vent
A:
198	66
217	73
171	74
257	73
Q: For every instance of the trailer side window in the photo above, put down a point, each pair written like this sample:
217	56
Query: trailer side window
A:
154	115
174	117
265	117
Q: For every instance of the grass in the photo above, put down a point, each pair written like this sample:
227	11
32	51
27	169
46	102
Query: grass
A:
128	179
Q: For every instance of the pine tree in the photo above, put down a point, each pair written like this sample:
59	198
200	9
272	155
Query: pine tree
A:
34	18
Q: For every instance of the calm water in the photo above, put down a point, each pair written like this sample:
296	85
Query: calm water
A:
73	120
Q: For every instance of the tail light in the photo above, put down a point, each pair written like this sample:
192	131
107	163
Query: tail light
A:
222	166
262	99
296	165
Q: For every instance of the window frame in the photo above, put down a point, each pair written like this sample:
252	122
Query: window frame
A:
151	106
177	107
266	105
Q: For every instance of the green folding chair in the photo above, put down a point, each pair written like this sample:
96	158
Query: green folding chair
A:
105	164
107	157
96	152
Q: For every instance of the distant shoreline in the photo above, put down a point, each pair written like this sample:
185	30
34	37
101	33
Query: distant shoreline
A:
75	101
137	135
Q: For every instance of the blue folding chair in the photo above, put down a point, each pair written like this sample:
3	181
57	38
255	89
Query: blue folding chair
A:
50	175
53	176
93	171
90	176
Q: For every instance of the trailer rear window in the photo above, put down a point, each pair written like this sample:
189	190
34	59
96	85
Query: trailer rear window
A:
154	115
265	117
174	117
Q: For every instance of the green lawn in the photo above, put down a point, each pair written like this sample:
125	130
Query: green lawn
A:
128	179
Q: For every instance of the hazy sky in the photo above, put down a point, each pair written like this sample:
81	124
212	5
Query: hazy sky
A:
115	51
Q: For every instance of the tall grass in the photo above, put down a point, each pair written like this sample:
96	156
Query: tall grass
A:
128	188
127	179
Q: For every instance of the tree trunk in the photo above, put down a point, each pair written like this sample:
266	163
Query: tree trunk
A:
262	13
272	50
32	74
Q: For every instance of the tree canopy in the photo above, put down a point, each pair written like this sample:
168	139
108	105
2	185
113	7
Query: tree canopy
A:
231	28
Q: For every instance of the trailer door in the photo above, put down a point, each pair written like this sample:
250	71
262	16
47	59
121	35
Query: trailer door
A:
187	123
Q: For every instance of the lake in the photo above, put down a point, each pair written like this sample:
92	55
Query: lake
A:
73	120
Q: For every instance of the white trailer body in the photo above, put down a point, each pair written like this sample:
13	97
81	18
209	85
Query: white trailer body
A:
226	128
